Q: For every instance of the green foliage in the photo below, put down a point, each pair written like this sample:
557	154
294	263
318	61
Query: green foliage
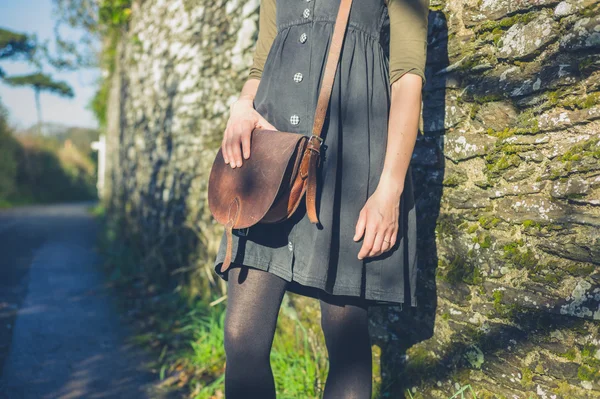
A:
296	367
41	82
99	103
186	331
13	45
8	161
114	13
35	169
49	173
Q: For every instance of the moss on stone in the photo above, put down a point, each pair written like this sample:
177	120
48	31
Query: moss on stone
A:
473	228
510	149
588	351
500	26
463	226
586	63
589	11
539	368
554	96
585	373
526	377
527	122
577	269
420	359
510	310
488	98
502	134
531	224
453	181
504	162
548	273
483	239
498	295
445	226
570	354
586	148
474	109
520	259
460	270
564	389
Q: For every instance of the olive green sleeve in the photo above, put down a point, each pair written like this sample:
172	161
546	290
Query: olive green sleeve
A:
267	30
408	37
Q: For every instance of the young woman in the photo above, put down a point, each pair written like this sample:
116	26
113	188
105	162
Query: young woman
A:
363	252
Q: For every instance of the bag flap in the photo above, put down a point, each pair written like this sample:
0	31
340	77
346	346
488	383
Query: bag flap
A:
252	187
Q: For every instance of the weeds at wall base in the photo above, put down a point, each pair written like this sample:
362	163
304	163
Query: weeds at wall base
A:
184	332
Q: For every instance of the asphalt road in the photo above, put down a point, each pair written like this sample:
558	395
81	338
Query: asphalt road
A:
60	332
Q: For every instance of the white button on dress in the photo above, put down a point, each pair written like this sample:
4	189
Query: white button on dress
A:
297	77
306	13
303	37
294	119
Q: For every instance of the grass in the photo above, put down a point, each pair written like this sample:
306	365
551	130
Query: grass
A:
185	334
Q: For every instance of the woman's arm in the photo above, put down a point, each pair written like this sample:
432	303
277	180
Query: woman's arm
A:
378	220
243	117
405	111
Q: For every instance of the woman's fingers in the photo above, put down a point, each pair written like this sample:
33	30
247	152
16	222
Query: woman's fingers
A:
368	241
236	150
377	242
377	239
360	226
385	246
246	144
234	145
393	238
224	147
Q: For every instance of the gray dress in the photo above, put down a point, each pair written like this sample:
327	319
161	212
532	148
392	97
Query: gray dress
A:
319	258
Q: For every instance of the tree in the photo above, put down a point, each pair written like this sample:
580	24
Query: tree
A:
14	44
41	83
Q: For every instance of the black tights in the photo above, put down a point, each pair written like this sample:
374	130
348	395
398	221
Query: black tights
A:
253	300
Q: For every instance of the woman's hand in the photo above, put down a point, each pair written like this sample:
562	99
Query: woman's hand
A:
242	120
378	220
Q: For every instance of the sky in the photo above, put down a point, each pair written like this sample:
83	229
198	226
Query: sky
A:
35	16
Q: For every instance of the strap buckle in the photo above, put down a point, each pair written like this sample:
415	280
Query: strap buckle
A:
312	146
318	138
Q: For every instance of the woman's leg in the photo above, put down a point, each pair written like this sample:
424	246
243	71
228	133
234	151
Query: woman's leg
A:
253	300
346	328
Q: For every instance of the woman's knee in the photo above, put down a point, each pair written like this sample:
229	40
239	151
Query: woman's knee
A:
241	341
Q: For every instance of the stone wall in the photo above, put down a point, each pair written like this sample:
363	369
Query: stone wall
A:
508	168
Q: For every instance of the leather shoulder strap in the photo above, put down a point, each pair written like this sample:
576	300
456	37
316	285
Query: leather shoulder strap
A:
333	56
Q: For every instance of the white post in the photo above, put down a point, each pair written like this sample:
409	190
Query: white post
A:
100	146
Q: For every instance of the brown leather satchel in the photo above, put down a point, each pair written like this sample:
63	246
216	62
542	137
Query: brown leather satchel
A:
282	166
